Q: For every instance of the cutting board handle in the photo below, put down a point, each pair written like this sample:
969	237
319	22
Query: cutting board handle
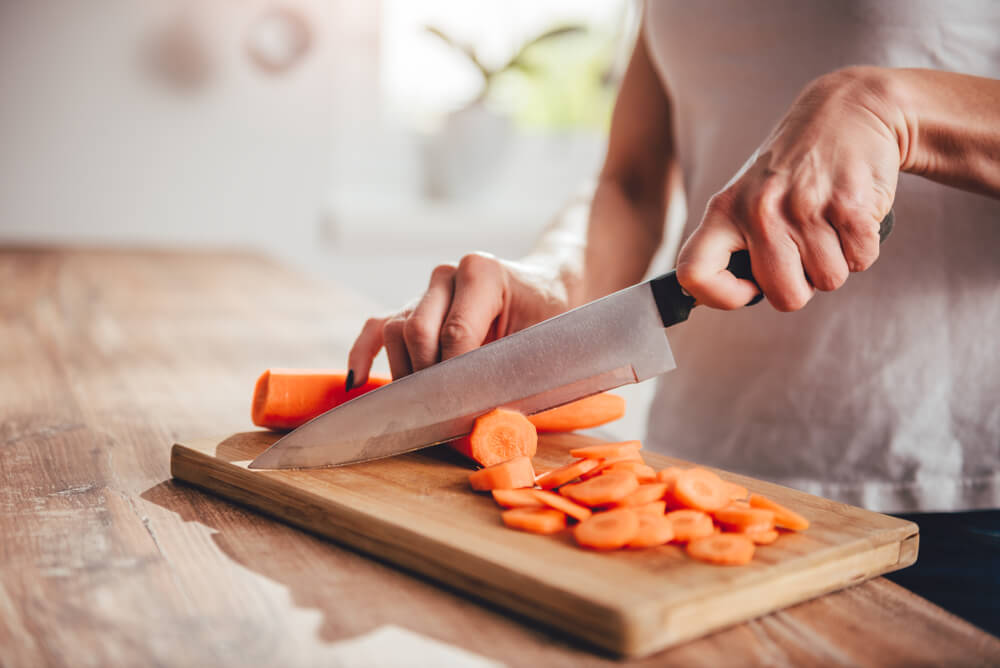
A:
675	304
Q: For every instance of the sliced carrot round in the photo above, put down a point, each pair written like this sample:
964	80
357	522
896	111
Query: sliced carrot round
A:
516	498
643	472
669	475
656	508
763	537
602	490
736	492
783	517
728	549
581	414
607	464
645	493
653	530
734	518
535	520
511	474
606	450
498	436
701	489
608	531
561	503
690	524
564	474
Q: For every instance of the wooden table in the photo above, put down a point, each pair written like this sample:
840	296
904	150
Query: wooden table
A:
108	357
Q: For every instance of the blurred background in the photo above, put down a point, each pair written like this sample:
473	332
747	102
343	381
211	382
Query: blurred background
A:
361	142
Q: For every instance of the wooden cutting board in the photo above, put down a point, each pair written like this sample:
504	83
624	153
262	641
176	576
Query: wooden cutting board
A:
417	511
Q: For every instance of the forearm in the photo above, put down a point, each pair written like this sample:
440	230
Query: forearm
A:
948	127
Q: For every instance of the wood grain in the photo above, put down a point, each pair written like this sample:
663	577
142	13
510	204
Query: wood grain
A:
417	511
110	356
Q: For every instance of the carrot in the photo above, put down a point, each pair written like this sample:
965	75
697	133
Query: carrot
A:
653	530
564	474
690	524
608	531
498	436
762	537
783	517
605	464
644	494
656	508
287	398
736	492
669	475
729	549
701	489
643	472
535	520
734	518
602	490
511	474
582	414
561	503
607	450
515	498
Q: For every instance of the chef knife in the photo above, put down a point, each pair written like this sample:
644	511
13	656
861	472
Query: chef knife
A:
599	346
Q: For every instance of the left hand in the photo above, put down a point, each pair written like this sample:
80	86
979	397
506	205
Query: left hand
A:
808	203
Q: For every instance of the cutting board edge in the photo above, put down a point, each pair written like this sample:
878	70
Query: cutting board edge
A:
605	626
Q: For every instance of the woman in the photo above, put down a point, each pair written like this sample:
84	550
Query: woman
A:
884	394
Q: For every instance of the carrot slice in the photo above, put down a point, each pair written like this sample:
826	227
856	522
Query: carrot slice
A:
655	508
582	414
728	549
498	436
644	494
734	518
607	450
762	537
690	524
643	472
511	474
516	498
701	489
653	530
736	492
287	398
783	517
608	531
535	520
564	474
602	490
561	503
605	464
669	475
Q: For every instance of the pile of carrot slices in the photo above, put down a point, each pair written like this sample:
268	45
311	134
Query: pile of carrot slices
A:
611	499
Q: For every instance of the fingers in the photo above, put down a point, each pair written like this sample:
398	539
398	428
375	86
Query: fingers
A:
395	347
364	350
701	266
477	303
422	328
857	231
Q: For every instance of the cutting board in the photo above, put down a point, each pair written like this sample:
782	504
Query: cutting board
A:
417	511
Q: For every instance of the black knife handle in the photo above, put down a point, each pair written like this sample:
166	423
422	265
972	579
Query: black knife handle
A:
675	304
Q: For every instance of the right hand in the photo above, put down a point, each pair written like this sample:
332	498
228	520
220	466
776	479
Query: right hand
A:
482	299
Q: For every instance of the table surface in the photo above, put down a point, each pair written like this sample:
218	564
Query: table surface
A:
110	356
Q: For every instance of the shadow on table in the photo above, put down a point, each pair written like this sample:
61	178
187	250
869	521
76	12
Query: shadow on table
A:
354	592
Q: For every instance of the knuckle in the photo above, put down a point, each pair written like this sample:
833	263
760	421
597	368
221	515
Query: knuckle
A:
828	278
787	301
476	264
393	328
417	333
455	332
443	271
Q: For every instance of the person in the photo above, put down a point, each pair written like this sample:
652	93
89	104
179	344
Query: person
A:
884	393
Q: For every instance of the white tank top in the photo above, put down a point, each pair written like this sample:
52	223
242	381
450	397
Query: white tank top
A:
885	393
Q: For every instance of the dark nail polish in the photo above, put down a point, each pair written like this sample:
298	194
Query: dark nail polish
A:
349	383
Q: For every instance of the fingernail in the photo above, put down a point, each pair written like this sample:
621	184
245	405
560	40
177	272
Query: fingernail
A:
349	383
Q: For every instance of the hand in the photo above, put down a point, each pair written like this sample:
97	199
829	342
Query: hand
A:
480	300
808	203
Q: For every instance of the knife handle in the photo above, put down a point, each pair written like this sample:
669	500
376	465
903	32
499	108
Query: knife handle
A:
675	304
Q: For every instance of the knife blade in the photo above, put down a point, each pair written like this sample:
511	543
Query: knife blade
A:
596	347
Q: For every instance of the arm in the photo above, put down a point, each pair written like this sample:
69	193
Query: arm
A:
596	245
808	203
